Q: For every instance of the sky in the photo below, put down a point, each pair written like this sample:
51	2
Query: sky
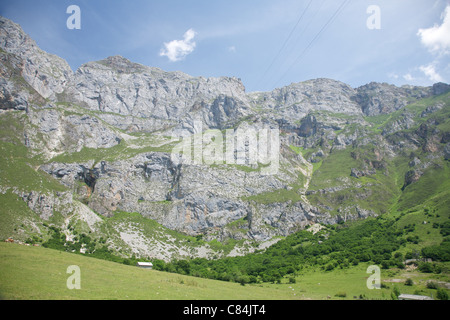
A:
268	44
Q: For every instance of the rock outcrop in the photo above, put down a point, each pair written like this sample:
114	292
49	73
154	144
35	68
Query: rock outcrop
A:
107	133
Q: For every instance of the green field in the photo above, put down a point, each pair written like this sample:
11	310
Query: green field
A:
40	273
36	273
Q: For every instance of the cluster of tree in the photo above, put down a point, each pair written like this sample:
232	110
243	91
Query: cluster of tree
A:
371	240
438	252
94	247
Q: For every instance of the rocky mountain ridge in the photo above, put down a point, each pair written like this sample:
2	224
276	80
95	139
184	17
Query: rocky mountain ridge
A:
103	137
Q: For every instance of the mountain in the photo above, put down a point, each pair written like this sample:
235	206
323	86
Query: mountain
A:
91	153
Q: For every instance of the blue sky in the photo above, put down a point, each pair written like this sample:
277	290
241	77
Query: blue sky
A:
266	43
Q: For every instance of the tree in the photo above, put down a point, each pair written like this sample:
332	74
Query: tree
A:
395	293
409	282
183	266
385	264
158	264
442	294
438	252
432	285
426	267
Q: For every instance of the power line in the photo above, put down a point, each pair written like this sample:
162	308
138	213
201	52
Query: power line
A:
287	39
332	18
299	36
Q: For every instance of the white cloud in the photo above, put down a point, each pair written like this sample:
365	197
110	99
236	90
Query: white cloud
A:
408	77
437	38
393	76
431	73
178	49
232	49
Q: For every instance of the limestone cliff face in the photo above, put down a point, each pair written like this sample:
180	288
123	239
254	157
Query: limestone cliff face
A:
107	131
381	98
296	100
158	99
46	73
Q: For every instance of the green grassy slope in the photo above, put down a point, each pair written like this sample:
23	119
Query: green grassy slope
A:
28	272
36	273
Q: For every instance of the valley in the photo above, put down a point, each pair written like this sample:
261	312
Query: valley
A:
315	180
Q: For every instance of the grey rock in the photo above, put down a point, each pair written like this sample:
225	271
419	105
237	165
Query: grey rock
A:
112	101
46	73
447	151
66	132
406	122
362	173
381	98
44	204
440	88
295	101
116	85
412	176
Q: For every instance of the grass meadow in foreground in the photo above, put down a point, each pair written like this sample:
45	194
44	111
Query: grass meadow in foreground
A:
36	273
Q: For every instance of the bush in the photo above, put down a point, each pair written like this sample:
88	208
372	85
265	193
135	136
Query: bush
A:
395	293
426	267
341	294
414	239
442	294
438	252
243	279
445	228
432	285
398	256
409	282
385	264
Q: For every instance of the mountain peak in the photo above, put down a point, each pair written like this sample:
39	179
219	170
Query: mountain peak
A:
122	64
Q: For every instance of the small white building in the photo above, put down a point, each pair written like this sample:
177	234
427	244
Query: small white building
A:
145	265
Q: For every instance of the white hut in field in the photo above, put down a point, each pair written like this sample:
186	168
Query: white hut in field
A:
145	265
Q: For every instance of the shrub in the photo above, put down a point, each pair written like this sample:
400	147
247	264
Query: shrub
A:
409	282
395	293
426	267
442	294
438	252
398	256
385	264
432	285
445	228
341	294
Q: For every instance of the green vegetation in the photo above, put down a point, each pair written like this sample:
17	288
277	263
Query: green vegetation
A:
376	191
296	149
19	169
435	182
38	273
281	195
373	241
120	151
18	166
413	225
